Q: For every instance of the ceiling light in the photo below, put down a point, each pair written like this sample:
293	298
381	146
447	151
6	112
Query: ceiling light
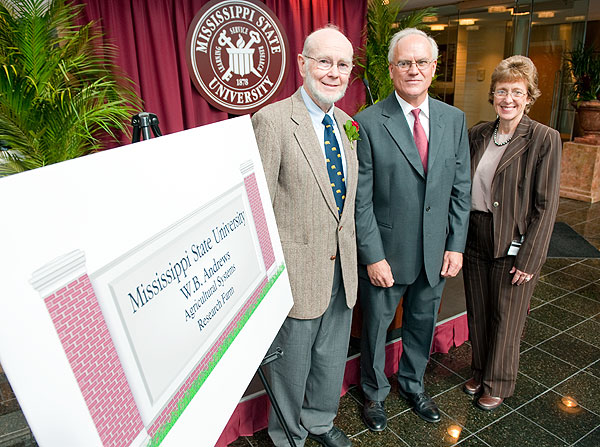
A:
472	28
575	19
496	9
569	402
466	22
515	12
430	19
545	14
438	27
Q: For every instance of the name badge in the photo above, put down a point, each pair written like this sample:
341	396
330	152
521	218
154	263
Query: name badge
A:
515	246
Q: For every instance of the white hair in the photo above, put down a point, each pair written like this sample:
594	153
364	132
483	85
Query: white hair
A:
409	32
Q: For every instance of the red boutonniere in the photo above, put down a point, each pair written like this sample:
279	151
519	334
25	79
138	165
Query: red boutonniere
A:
352	128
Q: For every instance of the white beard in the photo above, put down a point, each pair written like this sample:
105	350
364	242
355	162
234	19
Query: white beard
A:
311	85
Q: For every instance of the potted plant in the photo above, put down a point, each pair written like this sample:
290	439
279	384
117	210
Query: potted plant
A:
60	97
584	67
383	22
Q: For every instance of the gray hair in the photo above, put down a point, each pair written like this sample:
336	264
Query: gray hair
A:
409	32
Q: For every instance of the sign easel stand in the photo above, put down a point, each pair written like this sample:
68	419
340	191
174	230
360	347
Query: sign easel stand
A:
142	123
268	359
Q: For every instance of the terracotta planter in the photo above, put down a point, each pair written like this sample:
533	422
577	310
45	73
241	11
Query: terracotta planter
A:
589	120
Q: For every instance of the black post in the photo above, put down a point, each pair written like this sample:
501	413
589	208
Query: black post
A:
366	82
142	123
268	359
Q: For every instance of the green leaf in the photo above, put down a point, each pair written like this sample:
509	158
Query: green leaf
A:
58	97
584	66
383	22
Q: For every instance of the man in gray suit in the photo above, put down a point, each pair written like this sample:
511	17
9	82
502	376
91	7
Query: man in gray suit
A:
312	173
412	209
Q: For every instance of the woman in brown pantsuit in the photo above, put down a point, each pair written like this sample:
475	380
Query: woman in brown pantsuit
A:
515	167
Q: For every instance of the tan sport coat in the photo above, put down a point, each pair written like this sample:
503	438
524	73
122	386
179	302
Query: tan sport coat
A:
311	231
525	189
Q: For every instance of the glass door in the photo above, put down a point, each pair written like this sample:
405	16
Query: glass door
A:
474	36
556	28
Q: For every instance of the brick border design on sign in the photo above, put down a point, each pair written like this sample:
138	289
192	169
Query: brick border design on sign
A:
83	332
260	221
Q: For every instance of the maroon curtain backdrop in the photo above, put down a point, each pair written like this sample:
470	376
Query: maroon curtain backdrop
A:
150	38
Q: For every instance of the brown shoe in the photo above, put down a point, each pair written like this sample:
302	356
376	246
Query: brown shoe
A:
472	387
487	402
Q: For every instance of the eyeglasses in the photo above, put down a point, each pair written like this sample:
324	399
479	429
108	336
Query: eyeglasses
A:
421	64
343	67
516	94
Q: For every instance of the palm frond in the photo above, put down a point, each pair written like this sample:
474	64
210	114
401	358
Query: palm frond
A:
383	22
584	65
58	97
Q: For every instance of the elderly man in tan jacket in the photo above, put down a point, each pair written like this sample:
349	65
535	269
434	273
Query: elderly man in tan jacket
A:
312	172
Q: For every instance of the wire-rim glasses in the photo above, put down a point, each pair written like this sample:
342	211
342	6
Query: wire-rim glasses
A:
422	64
344	67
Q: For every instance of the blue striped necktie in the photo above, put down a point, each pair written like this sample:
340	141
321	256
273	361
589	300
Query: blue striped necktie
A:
333	157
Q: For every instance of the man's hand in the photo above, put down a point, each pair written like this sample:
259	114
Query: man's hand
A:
380	274
453	261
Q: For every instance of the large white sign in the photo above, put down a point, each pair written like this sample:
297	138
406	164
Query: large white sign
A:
192	279
147	275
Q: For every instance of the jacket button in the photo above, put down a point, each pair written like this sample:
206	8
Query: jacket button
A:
496	204
427	209
332	258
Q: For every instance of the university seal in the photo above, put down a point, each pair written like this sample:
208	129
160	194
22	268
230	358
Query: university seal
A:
237	54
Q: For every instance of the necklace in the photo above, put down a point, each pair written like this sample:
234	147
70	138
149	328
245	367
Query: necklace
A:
496	137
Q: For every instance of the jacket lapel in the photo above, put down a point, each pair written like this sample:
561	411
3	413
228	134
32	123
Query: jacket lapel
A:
396	124
436	132
518	144
311	148
351	160
478	145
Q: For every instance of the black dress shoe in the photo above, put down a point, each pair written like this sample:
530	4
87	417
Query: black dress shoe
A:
422	404
374	416
333	438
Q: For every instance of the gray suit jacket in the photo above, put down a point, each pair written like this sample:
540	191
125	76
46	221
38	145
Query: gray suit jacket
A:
403	215
525	189
310	229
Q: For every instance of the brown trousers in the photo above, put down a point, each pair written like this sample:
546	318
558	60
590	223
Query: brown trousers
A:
496	309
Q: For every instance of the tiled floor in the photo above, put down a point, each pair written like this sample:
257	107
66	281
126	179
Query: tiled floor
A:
560	356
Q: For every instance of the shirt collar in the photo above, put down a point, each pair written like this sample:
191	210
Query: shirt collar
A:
407	108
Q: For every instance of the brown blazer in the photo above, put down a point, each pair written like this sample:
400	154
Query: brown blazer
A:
525	189
310	229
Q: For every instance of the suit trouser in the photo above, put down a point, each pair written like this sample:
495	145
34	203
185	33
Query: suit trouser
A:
307	380
420	308
496	309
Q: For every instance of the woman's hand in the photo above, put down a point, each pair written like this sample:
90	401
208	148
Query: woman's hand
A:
520	277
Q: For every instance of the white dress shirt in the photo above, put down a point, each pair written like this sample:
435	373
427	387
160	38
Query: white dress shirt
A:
410	118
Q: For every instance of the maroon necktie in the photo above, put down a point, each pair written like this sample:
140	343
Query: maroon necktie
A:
420	139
